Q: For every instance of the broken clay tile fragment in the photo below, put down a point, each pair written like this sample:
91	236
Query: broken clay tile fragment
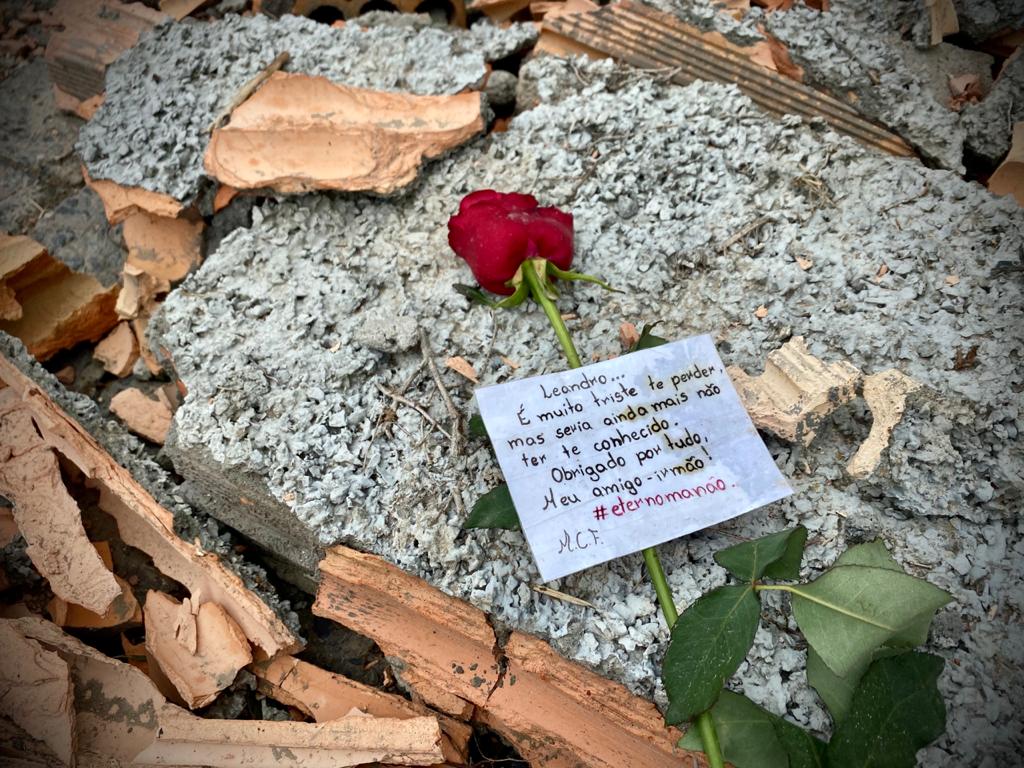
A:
142	523
186	740
633	32
8	527
91	35
46	514
325	696
36	692
445	652
629	336
118	351
220	648
299	133
124	610
120	202
795	392
886	395
942	19
45	303
165	248
145	416
84	108
1008	178
179	9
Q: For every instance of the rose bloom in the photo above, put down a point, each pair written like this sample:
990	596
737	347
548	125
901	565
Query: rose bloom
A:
495	232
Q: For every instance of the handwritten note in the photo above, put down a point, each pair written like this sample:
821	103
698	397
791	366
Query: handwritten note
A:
614	457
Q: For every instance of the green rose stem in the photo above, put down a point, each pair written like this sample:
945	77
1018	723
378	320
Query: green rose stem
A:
535	275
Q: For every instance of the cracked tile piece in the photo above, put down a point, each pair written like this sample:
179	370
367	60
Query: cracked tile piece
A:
886	395
795	392
36	691
201	656
299	133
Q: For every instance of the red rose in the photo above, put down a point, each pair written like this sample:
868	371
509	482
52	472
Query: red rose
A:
495	232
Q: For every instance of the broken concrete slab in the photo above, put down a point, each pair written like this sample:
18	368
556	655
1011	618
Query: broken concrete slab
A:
36	691
198	647
299	133
164	93
886	395
796	392
77	232
142	522
989	122
283	407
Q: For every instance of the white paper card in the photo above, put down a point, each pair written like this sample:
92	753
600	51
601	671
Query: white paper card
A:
614	457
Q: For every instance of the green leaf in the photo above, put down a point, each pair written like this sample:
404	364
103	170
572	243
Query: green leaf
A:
752	737
751	559
475	295
850	611
648	340
835	691
875	554
709	640
804	750
477	428
896	710
494	510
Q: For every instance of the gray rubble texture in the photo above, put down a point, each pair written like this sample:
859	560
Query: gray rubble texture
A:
162	95
38	166
981	19
284	333
77	232
989	123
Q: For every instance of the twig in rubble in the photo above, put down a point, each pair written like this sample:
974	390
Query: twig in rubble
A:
247	90
898	203
416	407
380	425
743	232
456	416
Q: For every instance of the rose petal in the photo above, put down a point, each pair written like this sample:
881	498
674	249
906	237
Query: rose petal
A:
510	201
492	245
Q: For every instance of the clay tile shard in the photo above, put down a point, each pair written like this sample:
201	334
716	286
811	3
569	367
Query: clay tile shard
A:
120	202
93	34
165	248
795	392
108	735
125	609
46	304
220	648
143	415
1008	178
141	521
49	518
300	133
185	740
118	351
886	395
36	692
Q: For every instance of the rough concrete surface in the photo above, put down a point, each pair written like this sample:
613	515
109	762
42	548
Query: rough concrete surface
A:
285	331
163	94
38	167
77	232
989	123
